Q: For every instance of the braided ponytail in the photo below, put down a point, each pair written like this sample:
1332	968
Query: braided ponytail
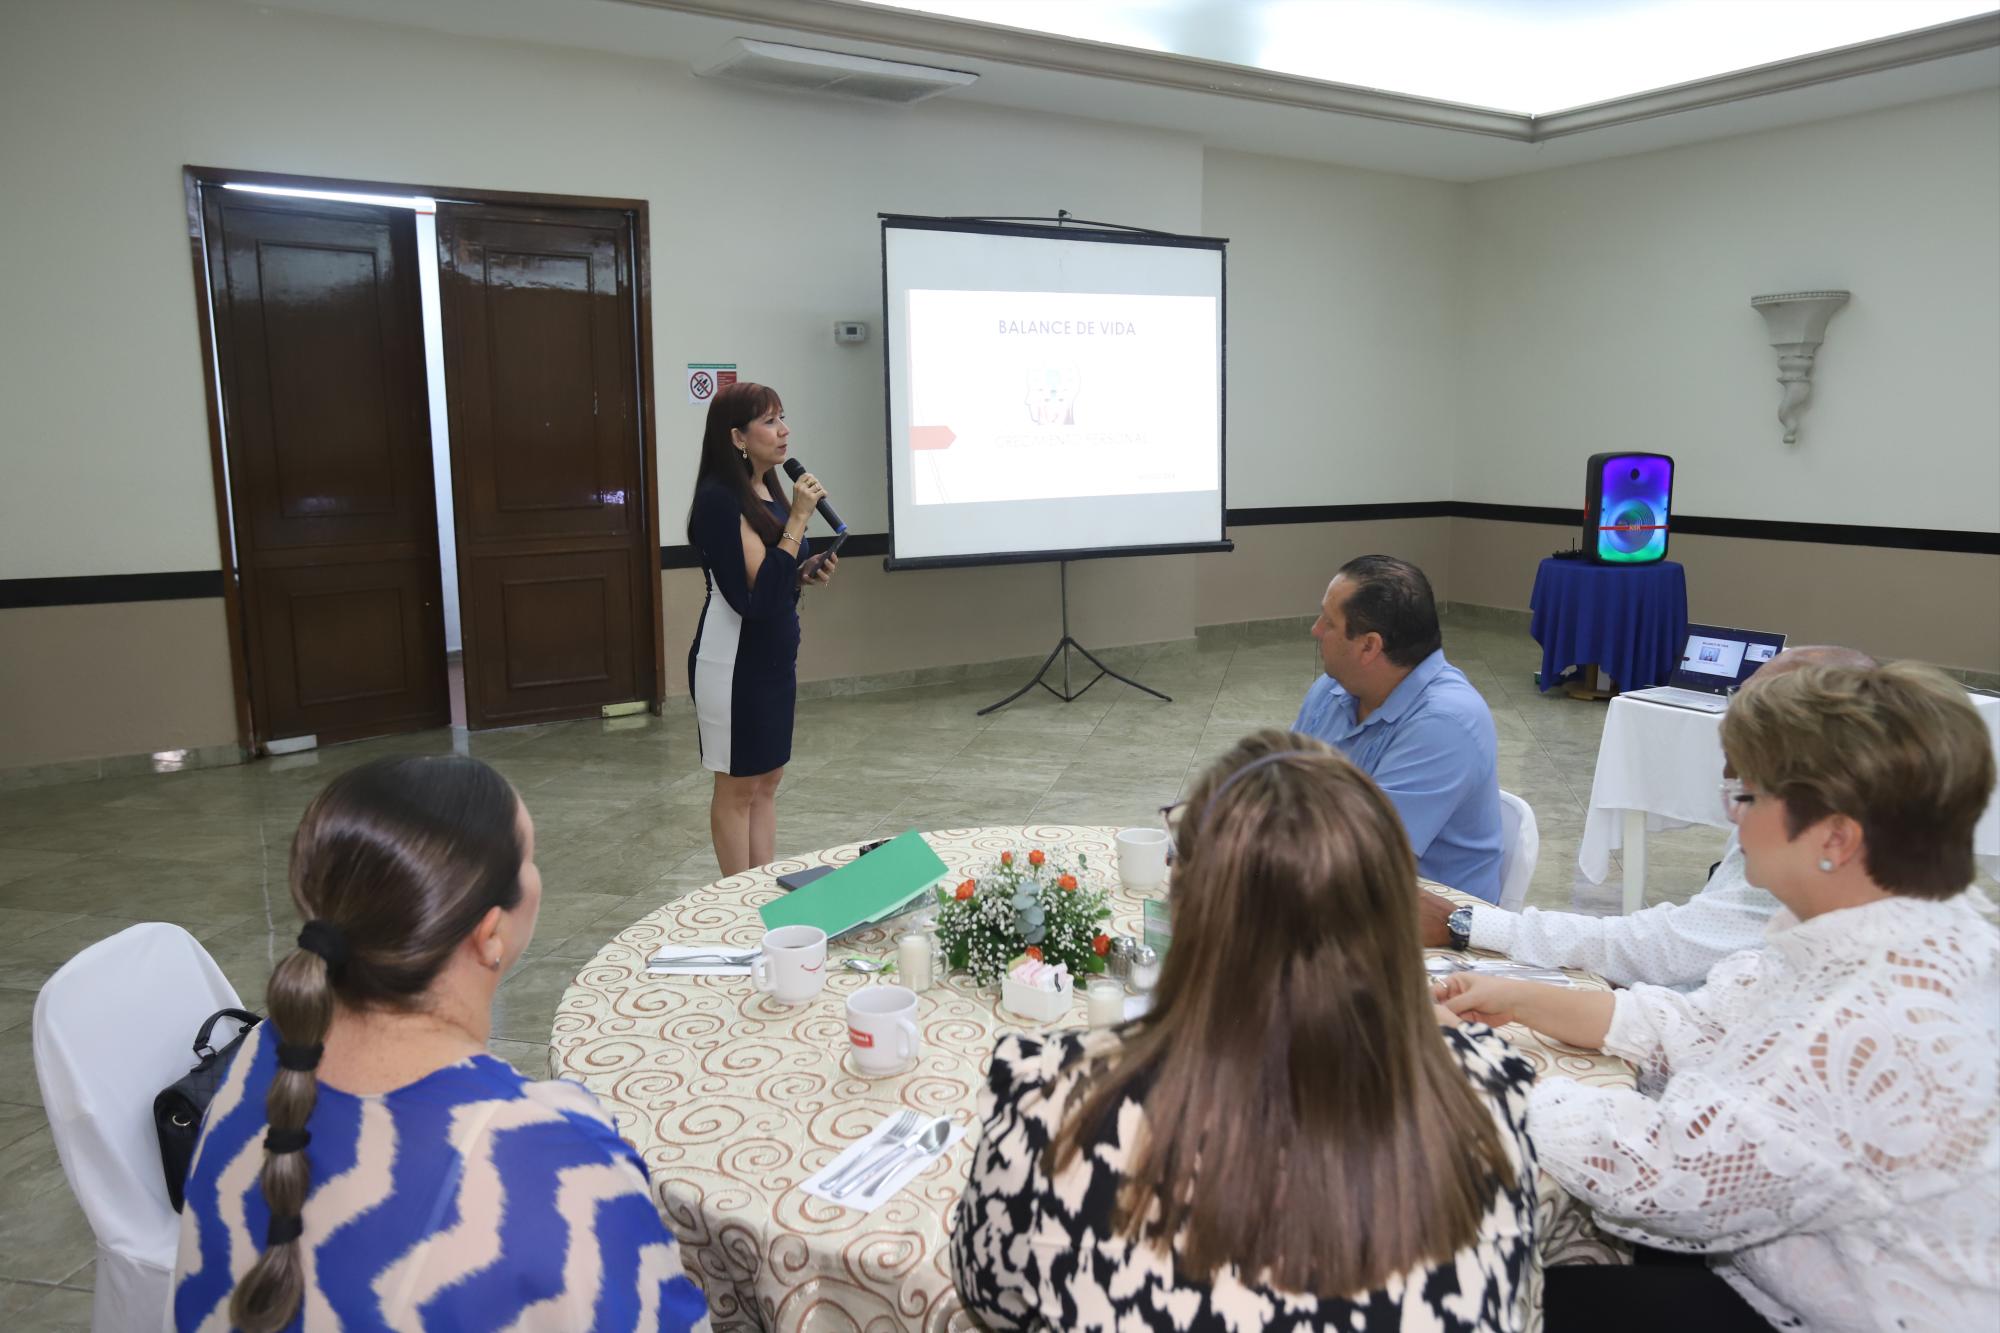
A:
300	997
394	864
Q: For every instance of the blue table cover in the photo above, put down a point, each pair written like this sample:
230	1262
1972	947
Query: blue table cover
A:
1629	620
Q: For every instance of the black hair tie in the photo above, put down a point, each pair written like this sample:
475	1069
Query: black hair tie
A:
284	1229
286	1140
302	1059
325	939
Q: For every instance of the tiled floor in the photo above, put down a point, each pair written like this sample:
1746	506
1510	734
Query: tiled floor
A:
621	809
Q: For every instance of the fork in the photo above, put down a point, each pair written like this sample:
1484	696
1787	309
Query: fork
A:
927	1144
901	1130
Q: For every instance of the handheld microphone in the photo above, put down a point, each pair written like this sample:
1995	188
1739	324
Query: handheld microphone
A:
795	469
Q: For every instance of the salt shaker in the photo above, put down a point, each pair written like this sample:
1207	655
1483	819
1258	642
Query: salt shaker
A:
1143	972
913	959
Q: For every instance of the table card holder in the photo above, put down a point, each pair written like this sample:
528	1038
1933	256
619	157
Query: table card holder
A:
866	889
1158	928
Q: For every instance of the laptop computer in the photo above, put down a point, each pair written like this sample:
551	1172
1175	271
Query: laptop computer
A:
1714	664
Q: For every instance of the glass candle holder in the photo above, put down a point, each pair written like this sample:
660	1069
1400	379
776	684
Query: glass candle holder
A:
913	960
1104	1002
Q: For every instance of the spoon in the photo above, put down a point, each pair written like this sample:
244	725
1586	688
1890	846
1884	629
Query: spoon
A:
868	966
928	1144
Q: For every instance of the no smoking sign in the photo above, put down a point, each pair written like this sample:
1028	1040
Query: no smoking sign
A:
708	378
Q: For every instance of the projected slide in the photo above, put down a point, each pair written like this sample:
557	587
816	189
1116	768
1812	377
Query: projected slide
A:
1713	657
1052	392
1025	395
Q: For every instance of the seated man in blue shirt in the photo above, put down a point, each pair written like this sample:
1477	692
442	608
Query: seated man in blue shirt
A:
1409	719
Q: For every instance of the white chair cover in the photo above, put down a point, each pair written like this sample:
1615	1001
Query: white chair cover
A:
112	1027
1520	848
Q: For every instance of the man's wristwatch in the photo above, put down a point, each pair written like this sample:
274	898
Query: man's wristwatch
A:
1459	926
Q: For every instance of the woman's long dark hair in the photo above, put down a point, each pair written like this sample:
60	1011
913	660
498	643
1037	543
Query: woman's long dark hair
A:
1305	1123
404	856
734	407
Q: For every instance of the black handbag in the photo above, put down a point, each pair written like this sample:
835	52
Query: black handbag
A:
178	1110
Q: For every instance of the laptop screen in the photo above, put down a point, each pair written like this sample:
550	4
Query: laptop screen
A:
1719	660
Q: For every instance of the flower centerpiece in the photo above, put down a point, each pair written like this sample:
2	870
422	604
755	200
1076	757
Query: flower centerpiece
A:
1023	906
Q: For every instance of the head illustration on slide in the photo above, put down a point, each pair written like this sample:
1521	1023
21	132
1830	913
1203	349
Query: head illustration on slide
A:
1050	395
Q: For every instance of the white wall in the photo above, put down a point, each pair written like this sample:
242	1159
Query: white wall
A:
1610	310
763	230
1390	338
1345	295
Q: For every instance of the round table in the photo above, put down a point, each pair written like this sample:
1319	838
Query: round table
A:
732	1099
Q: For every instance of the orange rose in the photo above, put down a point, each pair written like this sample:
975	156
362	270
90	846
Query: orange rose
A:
1035	857
1034	952
1101	945
1066	882
1006	858
965	890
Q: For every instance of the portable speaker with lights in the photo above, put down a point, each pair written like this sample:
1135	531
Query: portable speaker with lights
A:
1625	501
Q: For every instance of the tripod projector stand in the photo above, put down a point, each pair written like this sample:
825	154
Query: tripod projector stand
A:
1063	648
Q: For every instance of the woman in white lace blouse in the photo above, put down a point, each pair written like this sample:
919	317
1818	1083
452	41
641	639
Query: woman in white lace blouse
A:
1825	1124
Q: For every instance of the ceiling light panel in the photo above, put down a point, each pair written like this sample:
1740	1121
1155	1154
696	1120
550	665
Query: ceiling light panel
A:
1526	56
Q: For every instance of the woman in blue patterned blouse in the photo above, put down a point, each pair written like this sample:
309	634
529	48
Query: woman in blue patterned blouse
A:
366	1164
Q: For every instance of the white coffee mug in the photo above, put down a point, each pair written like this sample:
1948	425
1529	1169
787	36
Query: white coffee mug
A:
882	1027
792	966
1142	857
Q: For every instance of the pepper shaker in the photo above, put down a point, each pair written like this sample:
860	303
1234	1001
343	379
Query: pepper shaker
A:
1118	957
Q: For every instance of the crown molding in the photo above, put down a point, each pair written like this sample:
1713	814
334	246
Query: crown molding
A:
1962	37
846	20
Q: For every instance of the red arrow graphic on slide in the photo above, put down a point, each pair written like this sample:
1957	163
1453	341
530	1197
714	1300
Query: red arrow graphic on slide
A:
931	437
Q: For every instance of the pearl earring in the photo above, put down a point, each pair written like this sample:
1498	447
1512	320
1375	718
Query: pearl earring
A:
1826	866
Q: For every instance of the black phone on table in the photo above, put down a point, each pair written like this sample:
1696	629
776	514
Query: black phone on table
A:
798	879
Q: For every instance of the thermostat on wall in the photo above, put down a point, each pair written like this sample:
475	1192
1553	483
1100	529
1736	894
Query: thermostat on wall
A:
850	331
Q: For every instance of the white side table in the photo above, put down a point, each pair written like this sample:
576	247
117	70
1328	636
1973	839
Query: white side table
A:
1660	767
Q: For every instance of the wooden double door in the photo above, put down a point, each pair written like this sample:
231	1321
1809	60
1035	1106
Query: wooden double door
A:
319	339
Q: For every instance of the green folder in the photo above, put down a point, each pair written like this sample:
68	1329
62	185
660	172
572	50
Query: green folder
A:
866	889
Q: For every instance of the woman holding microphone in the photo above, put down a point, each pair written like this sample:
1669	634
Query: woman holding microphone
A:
743	665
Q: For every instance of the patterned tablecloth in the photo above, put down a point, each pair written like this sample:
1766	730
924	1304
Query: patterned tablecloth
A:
733	1099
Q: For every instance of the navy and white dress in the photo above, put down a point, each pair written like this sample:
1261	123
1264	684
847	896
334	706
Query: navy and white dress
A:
743	667
469	1199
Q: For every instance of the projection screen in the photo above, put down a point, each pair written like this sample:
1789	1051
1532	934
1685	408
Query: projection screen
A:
1054	392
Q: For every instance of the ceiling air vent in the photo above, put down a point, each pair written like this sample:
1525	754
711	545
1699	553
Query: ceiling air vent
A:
800	69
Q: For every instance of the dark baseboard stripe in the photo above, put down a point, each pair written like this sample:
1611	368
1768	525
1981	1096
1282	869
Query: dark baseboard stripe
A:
1562	518
1257	518
1687	525
1843	534
98	589
1763	529
858	543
